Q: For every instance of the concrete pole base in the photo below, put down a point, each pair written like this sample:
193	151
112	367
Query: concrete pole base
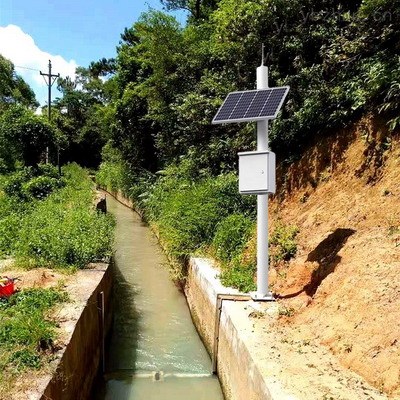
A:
262	297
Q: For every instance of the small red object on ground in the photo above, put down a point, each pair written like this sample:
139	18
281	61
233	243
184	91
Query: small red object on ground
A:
6	286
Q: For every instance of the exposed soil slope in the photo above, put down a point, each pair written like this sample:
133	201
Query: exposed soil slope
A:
343	286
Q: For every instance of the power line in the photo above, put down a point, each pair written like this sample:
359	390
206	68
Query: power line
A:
32	69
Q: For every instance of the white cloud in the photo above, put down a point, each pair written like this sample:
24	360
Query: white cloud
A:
21	49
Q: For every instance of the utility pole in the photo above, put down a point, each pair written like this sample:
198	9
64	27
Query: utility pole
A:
51	78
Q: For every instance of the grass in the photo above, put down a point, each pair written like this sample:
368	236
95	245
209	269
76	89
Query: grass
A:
60	229
45	221
286	311
187	213
283	244
27	334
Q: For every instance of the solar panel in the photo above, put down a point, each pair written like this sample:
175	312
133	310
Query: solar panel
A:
251	105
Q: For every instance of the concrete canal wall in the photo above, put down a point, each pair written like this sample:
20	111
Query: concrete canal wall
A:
87	320
238	372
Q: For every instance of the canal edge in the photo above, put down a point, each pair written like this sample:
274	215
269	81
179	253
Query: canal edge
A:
82	358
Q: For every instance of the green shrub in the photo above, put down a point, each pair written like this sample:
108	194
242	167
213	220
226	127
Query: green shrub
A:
239	277
24	330
13	184
61	230
30	183
187	214
40	187
24	136
25	358
28	329
48	170
12	216
65	230
34	299
231	235
10	226
239	272
114	176
283	245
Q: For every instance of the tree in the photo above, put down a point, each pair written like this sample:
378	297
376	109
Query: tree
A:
83	113
102	67
13	89
24	137
197	8
340	59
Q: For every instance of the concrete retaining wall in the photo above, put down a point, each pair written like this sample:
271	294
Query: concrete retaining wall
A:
122	199
238	373
79	363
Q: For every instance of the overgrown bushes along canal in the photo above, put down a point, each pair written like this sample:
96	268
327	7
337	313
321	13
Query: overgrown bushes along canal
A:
204	216
50	221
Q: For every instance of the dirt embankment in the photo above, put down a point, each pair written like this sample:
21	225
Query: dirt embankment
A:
343	286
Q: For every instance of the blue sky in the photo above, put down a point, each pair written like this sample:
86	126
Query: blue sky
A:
78	32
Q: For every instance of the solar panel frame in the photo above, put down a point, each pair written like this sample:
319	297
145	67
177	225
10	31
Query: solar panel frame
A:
226	113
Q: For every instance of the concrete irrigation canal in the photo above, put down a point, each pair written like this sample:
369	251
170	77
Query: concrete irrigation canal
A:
154	351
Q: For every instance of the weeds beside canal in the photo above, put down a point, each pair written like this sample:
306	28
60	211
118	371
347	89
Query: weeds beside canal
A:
205	216
45	221
27	333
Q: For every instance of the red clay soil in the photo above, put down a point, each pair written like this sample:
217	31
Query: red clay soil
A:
343	286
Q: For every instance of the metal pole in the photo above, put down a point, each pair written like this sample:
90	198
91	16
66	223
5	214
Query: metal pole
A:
263	292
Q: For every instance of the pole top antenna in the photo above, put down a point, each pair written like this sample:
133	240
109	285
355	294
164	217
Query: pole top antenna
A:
262	54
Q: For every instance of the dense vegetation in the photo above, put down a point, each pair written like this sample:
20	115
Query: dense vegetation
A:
150	108
13	89
341	60
50	221
46	219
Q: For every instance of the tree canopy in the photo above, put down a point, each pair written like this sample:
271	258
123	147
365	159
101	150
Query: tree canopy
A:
340	59
24	137
13	89
155	100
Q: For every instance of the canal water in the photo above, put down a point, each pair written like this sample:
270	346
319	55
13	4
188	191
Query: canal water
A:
155	351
